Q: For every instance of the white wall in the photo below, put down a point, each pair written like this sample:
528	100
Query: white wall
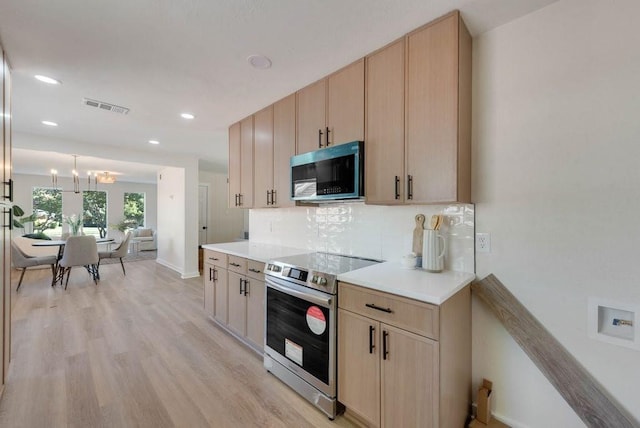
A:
72	203
224	224
178	220
378	232
556	177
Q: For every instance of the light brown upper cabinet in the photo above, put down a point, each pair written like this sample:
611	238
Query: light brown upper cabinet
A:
384	139
241	164
275	143
284	146
234	164
331	110
263	146
438	112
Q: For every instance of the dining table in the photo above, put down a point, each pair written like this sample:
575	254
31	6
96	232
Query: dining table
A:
60	243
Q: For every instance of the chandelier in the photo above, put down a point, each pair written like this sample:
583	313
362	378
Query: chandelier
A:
105	178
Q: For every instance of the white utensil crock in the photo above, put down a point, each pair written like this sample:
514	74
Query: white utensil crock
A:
433	249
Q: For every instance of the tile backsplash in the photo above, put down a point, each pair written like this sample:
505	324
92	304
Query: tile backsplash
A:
377	232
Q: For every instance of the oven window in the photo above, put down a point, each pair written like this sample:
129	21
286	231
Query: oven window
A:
299	330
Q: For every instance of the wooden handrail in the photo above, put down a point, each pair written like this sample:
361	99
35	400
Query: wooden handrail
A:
576	385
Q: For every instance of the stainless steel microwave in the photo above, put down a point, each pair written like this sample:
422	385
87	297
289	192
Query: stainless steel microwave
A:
332	173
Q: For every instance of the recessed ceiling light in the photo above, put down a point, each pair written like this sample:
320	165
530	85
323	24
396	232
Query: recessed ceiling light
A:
187	116
49	123
47	79
154	142
259	61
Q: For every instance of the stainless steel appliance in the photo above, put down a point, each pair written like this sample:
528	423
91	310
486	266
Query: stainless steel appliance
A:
301	305
335	172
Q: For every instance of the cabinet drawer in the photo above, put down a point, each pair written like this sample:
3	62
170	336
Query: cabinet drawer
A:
255	270
215	258
238	264
417	317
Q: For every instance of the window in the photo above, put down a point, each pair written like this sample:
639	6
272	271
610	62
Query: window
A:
134	209
94	207
47	210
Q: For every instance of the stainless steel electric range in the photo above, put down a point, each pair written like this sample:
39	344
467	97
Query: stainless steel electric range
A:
301	306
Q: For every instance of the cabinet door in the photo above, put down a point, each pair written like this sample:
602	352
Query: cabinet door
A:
384	141
432	112
409	377
345	109
284	146
220	296
311	116
263	149
255	312
359	365
234	164
237	304
246	163
209	288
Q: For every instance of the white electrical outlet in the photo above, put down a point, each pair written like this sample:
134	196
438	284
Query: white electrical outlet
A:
483	242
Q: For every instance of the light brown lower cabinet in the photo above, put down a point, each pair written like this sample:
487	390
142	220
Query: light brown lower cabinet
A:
389	376
235	295
215	284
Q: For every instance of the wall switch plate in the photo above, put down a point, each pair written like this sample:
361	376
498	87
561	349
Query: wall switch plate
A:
483	242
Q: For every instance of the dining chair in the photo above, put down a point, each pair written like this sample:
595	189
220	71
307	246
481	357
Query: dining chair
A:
21	260
80	251
119	252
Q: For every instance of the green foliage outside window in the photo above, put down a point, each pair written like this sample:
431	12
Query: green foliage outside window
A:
47	209
94	207
134	209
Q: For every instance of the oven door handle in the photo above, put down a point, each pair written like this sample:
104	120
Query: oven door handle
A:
322	301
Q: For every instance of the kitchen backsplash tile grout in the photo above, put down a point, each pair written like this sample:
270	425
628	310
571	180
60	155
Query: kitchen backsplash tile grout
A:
378	232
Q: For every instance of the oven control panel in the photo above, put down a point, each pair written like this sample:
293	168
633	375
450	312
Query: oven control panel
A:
297	274
319	280
309	278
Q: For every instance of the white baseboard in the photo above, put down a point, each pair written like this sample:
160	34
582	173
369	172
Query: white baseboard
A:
190	275
169	265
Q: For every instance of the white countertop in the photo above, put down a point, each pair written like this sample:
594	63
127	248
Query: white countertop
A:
391	277
255	251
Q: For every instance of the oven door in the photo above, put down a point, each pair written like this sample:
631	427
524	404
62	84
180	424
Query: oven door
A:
301	332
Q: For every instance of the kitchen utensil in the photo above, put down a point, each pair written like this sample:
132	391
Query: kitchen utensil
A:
433	251
434	221
418	235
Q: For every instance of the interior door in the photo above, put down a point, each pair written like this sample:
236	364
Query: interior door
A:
203	213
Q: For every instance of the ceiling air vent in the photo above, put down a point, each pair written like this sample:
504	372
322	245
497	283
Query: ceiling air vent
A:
105	106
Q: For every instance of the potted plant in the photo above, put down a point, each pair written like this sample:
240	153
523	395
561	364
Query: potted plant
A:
48	221
74	222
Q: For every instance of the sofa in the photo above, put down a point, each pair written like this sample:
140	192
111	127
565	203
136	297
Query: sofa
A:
146	239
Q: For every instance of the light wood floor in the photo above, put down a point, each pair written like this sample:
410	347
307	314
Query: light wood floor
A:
135	351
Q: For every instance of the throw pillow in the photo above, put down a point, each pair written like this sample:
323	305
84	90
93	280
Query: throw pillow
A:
145	233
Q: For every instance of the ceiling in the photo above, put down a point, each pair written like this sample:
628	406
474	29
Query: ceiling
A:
160	58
